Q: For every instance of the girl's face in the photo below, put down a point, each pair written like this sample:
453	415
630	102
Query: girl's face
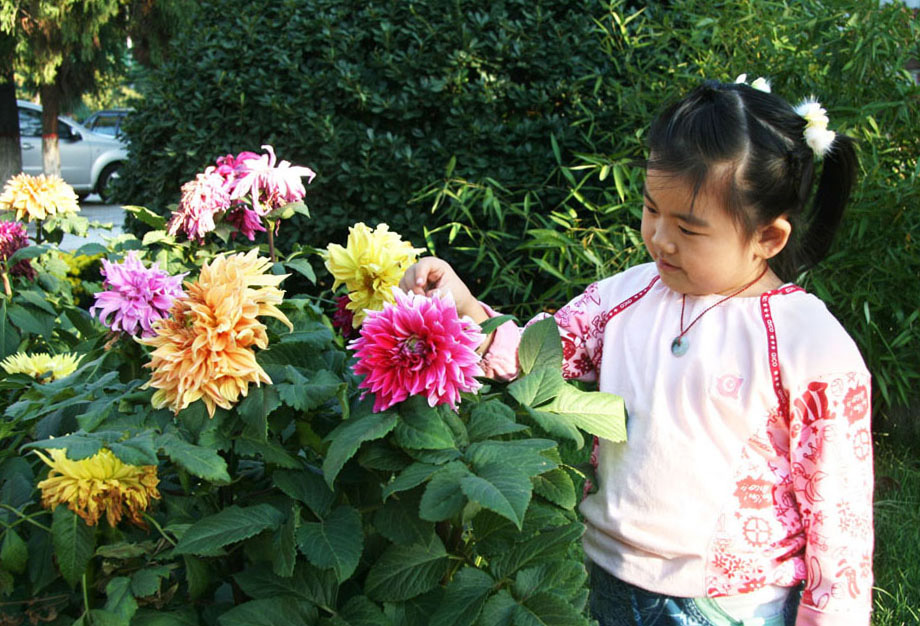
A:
698	247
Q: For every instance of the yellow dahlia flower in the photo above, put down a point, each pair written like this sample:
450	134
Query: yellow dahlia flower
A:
38	197
370	265
41	365
204	350
97	485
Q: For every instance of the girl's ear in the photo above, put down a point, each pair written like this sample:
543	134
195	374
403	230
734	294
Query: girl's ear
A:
771	238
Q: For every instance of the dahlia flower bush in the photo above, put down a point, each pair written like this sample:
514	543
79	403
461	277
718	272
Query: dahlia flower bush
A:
47	200
197	429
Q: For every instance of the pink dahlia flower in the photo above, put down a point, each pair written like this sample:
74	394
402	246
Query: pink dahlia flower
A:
417	345
271	184
245	221
135	296
202	200
228	167
13	236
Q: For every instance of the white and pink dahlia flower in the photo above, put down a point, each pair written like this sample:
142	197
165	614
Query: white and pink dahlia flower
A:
417	345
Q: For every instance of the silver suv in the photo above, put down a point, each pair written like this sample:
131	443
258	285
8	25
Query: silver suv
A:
89	161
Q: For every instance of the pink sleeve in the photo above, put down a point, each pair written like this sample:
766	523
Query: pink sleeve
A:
831	459
581	328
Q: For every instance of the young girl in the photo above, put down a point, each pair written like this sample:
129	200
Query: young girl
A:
744	492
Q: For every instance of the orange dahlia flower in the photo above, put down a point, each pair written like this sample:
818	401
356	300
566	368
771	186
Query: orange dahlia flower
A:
205	349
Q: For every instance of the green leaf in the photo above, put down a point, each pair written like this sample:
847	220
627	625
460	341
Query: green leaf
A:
209	535
146	216
335	542
412	476
464	598
302	267
38	300
74	543
540	346
197	575
79	445
139	450
545	546
149	617
556	425
146	582
29	252
348	436
284	554
257	406
305	394
499	610
14	554
548	609
307	583
598	413
269	613
557	487
565	578
443	497
119	599
406	571
492	323
492	419
308	487
269	451
539	386
30	320
500	487
398	520
202	462
360	611
524	454
421	427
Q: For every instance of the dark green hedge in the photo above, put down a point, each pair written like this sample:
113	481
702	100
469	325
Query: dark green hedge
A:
375	97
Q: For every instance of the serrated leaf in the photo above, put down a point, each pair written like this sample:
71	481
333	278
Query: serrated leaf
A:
14	553
548	609
547	545
492	323
443	496
398	520
540	346
269	451
499	610
146	216
464	598
557	487
335	542
146	582
360	611
421	427
269	613
596	412
302	267
74	543
492	419
564	578
197	575
202	462
149	617
119	599
305	394
403	572
139	450
348	436
412	476
257	406
308	487
284	541
38	300
500	487
307	583
29	252
556	425
539	386
209	535
524	454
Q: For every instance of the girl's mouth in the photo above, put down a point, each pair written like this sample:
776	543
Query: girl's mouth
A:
664	266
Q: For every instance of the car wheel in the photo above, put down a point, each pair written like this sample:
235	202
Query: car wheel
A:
104	184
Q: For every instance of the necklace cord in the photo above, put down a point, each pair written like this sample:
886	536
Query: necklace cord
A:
683	303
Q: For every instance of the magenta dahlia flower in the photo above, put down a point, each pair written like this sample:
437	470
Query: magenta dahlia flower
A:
246	221
135	296
271	184
203	199
13	236
417	345
343	318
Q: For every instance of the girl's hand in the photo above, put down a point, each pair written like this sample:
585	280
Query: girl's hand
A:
431	274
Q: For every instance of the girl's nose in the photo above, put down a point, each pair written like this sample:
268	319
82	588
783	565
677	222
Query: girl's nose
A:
662	241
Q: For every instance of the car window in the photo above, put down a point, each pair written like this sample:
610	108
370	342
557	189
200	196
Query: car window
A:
105	125
30	123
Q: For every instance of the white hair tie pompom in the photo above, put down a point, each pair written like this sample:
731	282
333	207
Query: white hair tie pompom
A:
760	83
817	136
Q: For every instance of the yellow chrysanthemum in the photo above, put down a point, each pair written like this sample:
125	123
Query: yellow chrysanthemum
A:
97	485
38	197
204	350
41	365
370	265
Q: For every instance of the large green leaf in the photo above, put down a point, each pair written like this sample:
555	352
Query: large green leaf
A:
557	487
307	486
74	543
269	613
559	426
202	462
208	536
305	394
421	427
405	571
524	454
360	611
335	542
547	545
464	598
307	583
284	542
565	578
412	476
119	599
548	609
539	386
398	520
257	406
540	346
499	610
443	497
138	450
348	436
500	487
14	553
598	413
491	419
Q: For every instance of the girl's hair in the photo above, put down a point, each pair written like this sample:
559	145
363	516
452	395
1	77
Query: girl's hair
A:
770	169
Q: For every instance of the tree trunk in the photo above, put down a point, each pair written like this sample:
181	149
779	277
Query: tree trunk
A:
51	107
10	157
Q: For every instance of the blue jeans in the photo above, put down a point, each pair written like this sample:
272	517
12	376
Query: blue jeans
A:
617	603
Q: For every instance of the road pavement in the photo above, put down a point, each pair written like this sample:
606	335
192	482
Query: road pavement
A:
93	209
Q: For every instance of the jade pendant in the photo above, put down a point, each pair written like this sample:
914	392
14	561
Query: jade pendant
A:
679	346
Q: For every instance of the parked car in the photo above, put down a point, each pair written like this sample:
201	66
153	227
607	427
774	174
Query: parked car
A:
89	160
107	121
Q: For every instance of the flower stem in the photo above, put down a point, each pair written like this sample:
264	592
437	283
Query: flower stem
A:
271	240
6	284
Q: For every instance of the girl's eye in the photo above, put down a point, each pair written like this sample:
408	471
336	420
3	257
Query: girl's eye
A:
650	209
687	232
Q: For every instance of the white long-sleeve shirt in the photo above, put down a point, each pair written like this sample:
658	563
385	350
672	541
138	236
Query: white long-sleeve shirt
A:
749	458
